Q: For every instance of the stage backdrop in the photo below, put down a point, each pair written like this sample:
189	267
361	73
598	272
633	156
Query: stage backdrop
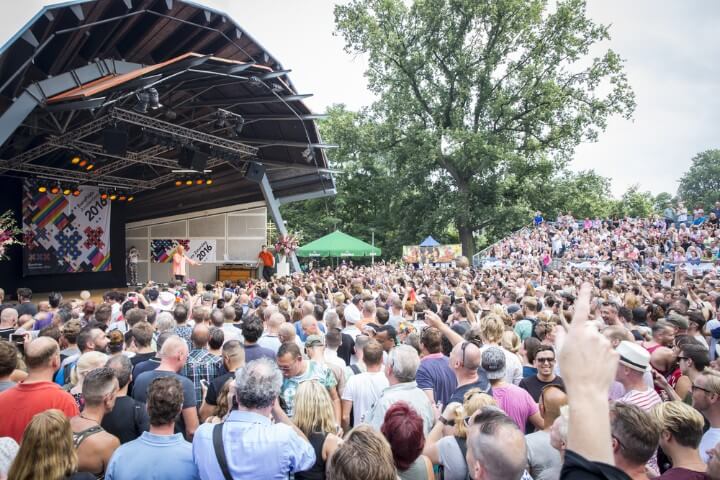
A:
65	234
162	251
439	254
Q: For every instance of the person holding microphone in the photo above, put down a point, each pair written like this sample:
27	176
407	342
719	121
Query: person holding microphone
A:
179	260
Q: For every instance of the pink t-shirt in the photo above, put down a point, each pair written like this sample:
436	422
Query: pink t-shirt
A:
516	402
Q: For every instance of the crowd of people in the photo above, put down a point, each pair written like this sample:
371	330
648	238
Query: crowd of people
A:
524	370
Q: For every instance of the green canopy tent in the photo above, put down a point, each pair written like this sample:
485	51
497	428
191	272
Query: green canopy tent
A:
338	244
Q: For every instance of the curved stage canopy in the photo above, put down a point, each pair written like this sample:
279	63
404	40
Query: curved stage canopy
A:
144	89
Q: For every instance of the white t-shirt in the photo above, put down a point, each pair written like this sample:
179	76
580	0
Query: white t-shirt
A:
363	390
709	440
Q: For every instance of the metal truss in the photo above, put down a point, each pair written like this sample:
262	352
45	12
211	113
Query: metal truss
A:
150	123
64	175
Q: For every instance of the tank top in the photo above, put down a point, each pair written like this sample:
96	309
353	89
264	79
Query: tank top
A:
416	471
317	472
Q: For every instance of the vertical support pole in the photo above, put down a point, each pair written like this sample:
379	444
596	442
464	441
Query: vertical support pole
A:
274	206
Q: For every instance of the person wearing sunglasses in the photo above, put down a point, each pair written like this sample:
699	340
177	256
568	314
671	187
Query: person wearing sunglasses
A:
706	399
545	365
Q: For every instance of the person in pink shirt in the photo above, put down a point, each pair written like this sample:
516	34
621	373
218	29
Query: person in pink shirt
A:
513	400
179	260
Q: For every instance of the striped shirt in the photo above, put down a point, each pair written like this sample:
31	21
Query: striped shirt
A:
645	400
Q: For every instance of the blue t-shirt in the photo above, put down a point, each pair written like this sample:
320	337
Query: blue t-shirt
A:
253	352
435	374
143	458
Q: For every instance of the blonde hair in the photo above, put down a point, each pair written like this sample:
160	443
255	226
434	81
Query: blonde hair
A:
46	450
510	341
712	380
473	400
492	328
313	409
682	421
88	361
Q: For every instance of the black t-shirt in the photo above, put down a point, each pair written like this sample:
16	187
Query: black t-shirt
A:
28	308
577	467
141	357
457	396
128	419
215	386
534	385
346	348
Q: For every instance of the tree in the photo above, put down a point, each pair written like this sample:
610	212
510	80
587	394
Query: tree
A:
634	203
700	185
505	84
584	194
662	200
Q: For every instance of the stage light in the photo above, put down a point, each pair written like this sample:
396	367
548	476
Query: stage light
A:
178	183
75	159
67	191
42	189
55	189
188	182
143	100
76	192
122	198
239	125
170	114
130	198
113	196
82	163
89	166
199	181
104	196
154	98
209	181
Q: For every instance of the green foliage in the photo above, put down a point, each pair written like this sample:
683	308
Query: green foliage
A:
700	185
633	203
508	82
661	201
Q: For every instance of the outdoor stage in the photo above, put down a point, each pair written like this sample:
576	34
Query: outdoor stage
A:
164	124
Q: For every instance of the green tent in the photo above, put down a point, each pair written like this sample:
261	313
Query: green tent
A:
337	244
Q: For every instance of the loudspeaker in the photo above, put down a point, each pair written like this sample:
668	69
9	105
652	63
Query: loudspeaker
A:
199	161
255	173
115	141
185	158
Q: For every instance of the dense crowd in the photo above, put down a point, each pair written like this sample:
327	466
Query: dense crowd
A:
582	350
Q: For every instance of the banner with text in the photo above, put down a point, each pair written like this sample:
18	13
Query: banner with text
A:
423	255
162	251
65	233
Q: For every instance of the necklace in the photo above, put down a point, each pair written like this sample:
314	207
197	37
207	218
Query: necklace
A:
86	418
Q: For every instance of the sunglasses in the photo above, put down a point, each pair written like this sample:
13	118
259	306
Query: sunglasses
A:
545	360
697	387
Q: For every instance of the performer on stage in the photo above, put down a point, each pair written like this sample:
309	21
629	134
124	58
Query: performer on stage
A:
132	261
266	261
179	259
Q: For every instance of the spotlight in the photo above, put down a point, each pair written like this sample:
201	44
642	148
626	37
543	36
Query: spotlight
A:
178	183
199	181
154	98
75	159
239	125
143	100
130	198
122	198
67	191
42	189
188	182
113	196
170	114
89	167
83	163
209	181
104	196
220	119
55	189
76	192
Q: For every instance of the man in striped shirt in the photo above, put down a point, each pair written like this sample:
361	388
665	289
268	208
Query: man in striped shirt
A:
634	362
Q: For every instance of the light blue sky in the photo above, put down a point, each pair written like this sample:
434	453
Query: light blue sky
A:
670	46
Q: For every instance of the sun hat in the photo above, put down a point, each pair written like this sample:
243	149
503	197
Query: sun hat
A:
633	356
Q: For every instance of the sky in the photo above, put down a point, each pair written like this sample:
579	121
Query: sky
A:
671	60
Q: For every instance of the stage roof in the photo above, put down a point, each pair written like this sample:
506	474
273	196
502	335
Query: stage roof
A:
77	70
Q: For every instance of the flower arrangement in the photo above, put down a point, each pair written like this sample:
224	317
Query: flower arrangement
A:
9	233
286	245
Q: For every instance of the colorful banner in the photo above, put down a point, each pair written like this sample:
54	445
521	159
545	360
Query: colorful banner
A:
439	254
64	233
162	251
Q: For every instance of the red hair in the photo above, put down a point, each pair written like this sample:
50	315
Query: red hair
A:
403	429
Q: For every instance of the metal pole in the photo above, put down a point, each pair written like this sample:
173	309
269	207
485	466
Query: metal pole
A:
372	261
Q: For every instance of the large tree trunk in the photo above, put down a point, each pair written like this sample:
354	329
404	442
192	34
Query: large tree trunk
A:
468	242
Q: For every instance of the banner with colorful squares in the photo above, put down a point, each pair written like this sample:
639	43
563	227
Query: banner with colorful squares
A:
65	233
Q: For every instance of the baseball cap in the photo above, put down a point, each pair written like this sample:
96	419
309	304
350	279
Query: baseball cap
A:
493	362
314	341
208	297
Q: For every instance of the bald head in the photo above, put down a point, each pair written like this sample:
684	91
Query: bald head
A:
551	399
200	336
269	312
469	360
496	447
307	309
286	333
42	353
173	347
309	325
275	320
